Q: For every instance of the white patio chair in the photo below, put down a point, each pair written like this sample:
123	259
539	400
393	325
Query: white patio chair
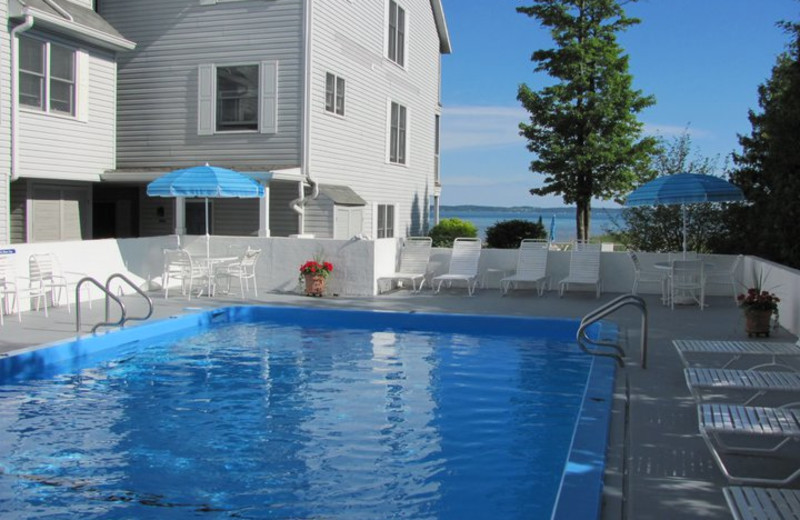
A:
647	276
584	268
747	430
243	270
757	503
463	264
726	276
531	266
755	382
179	265
686	283
9	290
733	351
48	282
413	264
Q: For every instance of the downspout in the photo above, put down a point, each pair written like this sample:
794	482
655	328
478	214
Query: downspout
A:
24	26
299	204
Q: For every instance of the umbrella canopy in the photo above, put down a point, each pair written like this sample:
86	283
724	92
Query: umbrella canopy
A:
205	182
683	189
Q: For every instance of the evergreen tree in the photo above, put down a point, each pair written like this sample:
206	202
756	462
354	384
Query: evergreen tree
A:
768	169
583	129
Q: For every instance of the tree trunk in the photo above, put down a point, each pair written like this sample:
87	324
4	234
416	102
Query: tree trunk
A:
583	219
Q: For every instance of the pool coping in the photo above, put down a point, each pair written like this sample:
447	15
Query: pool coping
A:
585	465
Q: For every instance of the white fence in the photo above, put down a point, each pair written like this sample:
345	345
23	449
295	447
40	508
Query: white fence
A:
358	264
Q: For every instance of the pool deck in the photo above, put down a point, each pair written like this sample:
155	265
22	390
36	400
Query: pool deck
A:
658	465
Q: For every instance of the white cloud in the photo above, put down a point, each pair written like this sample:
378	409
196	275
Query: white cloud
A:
481	127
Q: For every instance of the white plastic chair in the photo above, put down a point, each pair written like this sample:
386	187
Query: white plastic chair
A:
243	270
687	282
413	265
584	268
47	281
463	264
9	290
531	266
647	276
179	265
726	276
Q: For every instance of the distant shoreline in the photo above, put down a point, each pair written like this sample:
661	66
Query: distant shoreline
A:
523	209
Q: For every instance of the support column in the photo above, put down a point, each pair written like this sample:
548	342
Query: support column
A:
263	213
180	216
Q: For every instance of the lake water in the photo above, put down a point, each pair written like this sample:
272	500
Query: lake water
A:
602	220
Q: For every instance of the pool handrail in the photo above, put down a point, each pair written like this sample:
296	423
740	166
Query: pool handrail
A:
135	288
108	295
605	310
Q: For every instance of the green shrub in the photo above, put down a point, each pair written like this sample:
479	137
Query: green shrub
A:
509	233
448	229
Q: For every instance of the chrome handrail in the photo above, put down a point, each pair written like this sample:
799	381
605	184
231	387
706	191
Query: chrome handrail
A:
603	311
135	288
108	295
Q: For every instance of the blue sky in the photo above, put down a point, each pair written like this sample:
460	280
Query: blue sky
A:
702	60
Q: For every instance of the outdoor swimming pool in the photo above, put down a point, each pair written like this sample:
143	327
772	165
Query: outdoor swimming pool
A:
276	412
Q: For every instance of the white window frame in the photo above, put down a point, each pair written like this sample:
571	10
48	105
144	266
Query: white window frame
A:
397	135
395	53
335	93
267	111
79	81
381	213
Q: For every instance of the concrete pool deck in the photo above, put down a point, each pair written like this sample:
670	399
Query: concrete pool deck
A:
658	466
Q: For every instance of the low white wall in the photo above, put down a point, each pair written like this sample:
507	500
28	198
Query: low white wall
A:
781	280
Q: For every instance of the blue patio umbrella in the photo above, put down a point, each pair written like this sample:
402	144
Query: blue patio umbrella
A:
206	182
683	189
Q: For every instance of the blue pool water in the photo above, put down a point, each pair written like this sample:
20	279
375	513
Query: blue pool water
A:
292	413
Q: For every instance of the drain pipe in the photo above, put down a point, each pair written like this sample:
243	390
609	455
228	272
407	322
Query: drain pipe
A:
24	26
299	204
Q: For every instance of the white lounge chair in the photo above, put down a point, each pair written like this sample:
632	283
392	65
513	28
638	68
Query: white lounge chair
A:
721	423
413	265
463	264
735	350
531	266
756	381
584	268
756	503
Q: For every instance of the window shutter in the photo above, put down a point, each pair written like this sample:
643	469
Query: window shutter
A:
269	98
82	85
205	99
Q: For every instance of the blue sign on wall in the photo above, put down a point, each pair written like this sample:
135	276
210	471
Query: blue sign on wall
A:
7	251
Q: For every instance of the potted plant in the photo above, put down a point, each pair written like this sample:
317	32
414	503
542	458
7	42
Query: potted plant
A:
314	273
759	305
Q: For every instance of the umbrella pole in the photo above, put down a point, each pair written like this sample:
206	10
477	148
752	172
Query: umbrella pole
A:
208	236
683	213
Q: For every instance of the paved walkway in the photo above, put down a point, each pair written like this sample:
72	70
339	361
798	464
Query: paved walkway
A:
658	466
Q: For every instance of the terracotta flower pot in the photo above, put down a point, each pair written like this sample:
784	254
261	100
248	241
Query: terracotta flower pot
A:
757	322
315	284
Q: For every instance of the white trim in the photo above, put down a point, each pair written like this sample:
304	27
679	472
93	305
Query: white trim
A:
82	82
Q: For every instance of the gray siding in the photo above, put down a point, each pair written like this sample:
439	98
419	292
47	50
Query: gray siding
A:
352	150
236	217
150	224
158	82
19	193
282	220
319	217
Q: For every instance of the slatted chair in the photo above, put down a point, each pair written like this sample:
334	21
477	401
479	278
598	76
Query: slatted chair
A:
755	382
9	289
531	266
179	266
732	351
463	264
687	281
733	429
413	264
726	276
584	268
757	503
641	275
244	270
47	281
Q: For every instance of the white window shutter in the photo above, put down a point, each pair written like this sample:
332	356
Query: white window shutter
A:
205	99
269	98
82	85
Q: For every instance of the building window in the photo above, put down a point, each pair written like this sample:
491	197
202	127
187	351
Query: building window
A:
334	94
397	134
46	76
237	98
397	33
385	221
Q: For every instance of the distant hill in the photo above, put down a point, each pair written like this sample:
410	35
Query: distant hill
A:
522	209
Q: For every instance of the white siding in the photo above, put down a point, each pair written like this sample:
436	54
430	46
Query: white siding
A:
5	128
158	82
352	150
53	146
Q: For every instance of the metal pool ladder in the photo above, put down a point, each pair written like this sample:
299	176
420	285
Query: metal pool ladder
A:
106	289
600	313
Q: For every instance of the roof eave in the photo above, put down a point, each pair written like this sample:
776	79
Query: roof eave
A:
441	27
76	30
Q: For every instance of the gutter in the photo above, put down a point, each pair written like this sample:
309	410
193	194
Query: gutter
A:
299	204
24	26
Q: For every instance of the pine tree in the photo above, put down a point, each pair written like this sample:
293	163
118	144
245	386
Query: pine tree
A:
583	129
768	169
